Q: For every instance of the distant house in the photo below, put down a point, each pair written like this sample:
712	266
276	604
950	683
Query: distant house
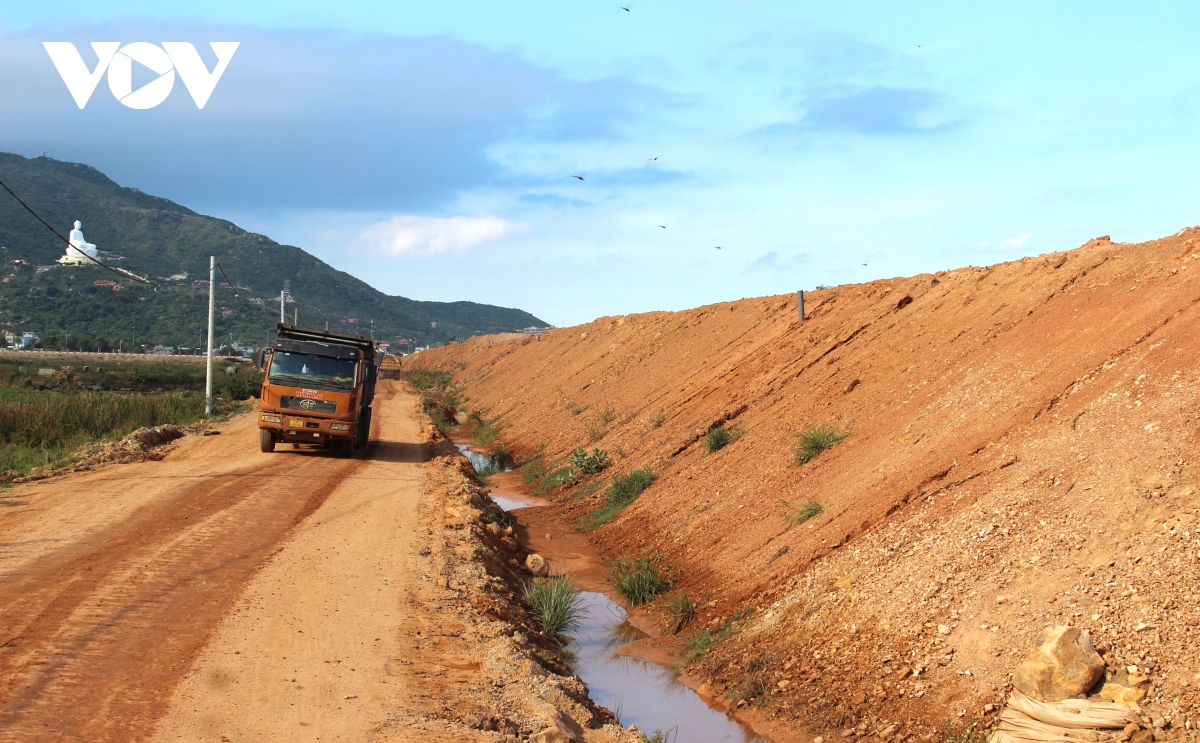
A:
350	320
19	262
199	282
223	283
28	339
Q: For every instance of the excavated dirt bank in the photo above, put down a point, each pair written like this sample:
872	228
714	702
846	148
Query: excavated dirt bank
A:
1022	454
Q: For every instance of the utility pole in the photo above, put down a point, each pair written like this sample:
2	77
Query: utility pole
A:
282	297
296	318
800	304
212	274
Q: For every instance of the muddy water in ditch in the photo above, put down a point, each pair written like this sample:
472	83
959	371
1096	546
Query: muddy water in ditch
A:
640	691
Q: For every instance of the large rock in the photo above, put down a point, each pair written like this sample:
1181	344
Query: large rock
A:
1064	665
537	564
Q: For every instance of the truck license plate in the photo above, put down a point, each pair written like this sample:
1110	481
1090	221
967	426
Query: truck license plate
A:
295	423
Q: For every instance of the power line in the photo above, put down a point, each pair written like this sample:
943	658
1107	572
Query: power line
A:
117	271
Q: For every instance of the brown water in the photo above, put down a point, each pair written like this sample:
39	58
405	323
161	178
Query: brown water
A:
639	691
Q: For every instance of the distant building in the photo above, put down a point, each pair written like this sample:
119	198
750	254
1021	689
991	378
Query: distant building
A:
28	339
199	282
19	262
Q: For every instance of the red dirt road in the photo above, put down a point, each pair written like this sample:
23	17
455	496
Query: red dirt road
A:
112	582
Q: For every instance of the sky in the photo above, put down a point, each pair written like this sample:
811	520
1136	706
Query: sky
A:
430	148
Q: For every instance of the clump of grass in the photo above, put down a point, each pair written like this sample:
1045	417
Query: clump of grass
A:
487	470
576	408
554	479
595	434
534	467
657	419
681	609
585	464
658	736
700	643
483	433
798	514
608	415
720	437
815	439
496	514
624	490
696	646
556	603
640	578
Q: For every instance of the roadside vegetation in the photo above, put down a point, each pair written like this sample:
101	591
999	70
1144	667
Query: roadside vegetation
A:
681	609
556	603
48	410
640	578
624	490
439	398
812	441
721	436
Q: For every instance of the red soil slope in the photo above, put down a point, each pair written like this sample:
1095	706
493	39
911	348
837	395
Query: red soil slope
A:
1022	454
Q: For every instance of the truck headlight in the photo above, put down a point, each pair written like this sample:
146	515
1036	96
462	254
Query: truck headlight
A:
339	427
270	419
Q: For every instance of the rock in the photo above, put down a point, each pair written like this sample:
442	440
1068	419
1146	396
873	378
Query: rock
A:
1064	665
944	629
531	668
1126	695
705	689
551	735
819	739
1142	736
473	721
537	564
859	697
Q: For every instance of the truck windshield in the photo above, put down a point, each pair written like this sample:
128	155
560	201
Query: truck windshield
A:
301	369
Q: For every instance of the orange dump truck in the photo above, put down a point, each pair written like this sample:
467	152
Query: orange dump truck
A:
389	368
317	389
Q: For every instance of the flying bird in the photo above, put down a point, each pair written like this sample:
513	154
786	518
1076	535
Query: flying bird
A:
624	9
578	176
864	264
653	158
663	226
716	247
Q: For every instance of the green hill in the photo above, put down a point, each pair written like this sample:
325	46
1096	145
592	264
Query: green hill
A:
157	238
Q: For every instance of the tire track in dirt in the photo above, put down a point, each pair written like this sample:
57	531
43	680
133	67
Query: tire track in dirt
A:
98	633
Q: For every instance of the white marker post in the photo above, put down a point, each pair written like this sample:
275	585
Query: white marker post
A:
212	275
800	304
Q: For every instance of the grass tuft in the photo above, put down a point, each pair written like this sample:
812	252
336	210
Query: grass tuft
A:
798	514
681	609
640	578
556	603
657	419
624	490
963	735
720	437
815	439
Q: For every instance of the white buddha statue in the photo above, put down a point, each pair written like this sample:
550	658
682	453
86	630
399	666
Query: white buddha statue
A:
79	247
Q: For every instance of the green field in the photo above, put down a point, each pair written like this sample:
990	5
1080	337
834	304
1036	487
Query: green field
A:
44	418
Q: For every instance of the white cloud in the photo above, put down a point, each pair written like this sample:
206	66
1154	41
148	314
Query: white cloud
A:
1015	242
409	235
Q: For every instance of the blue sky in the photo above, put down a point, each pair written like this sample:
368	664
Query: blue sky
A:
428	148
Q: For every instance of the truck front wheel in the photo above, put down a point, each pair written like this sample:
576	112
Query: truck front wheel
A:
266	440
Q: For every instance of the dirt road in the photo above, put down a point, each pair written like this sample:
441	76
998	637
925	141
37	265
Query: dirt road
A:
113	583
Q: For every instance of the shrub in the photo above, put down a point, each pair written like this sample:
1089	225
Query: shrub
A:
815	439
483	434
658	736
608	415
595	434
657	419
720	437
586	464
624	490
798	514
556	603
640	579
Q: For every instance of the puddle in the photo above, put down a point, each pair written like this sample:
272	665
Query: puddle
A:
641	692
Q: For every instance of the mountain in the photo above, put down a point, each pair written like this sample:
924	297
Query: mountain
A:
170	244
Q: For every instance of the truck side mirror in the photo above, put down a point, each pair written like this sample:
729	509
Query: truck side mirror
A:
260	359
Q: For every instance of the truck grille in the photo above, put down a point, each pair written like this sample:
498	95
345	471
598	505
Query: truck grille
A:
307	404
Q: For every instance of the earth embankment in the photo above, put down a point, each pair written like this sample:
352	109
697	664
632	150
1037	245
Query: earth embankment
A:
1021	453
